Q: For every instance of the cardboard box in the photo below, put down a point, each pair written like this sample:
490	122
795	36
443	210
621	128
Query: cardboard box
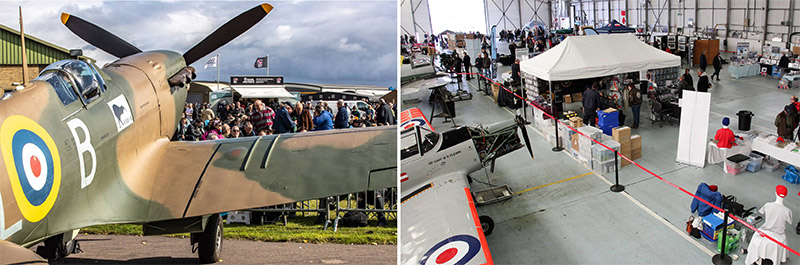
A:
636	154
625	151
574	140
576	122
495	90
636	141
567	99
609	110
577	97
625	146
461	36
621	134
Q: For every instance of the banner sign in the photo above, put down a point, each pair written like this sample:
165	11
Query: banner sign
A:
256	80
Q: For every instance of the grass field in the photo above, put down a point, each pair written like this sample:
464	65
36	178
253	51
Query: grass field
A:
298	229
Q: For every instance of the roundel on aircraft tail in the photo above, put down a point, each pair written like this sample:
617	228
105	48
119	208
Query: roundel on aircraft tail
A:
458	249
33	165
413	122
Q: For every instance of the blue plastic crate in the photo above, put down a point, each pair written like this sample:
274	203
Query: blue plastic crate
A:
604	119
607	129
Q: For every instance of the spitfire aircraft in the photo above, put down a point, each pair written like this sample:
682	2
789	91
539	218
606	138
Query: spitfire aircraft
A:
83	146
440	224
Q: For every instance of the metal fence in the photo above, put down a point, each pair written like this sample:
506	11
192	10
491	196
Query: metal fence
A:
381	205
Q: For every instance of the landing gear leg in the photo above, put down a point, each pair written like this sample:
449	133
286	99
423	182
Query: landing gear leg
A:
209	242
55	248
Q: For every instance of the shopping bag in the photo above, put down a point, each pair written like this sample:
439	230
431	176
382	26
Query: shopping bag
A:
689	224
790	175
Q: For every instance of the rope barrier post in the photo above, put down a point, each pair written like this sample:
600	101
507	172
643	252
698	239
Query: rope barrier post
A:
722	258
558	147
616	187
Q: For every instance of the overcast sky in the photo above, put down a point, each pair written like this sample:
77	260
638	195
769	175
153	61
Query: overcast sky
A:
328	42
457	15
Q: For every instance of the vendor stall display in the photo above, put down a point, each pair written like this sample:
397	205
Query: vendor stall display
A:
664	76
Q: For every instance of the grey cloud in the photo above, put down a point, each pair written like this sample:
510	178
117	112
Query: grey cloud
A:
316	42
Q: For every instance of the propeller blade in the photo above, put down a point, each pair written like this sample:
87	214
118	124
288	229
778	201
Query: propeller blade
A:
227	32
521	125
98	36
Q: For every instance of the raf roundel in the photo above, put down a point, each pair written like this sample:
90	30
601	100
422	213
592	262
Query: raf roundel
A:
458	249
414	122
33	165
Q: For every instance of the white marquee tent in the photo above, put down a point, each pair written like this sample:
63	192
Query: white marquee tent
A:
579	57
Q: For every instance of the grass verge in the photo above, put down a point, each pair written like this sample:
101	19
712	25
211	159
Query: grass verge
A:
299	230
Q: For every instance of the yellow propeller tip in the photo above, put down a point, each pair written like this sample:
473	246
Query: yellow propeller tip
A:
64	18
266	7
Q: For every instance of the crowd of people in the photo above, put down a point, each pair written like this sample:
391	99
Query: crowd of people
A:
248	117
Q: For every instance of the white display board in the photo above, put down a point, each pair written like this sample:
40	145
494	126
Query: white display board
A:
695	107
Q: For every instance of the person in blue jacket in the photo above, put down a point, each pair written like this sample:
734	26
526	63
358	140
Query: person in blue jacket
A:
283	123
342	116
710	194
323	120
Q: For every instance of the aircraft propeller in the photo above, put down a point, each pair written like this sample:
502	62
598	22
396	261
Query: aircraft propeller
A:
118	47
99	37
521	124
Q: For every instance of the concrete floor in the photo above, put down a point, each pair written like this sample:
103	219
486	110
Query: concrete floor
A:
580	221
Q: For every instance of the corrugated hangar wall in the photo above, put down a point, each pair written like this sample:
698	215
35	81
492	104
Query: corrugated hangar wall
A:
415	18
755	21
514	14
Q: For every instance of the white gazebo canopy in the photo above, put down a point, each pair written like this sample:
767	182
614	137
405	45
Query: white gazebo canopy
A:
579	57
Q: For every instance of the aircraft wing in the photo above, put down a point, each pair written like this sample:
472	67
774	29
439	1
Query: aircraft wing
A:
445	232
414	117
11	253
199	178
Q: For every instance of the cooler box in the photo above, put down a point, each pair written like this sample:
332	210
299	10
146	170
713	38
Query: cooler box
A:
754	164
606	119
736	164
712	227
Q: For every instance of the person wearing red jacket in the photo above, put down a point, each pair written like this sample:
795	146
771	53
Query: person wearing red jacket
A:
725	138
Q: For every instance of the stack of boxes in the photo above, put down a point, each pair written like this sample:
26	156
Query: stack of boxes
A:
584	145
622	135
636	147
607	120
603	159
630	146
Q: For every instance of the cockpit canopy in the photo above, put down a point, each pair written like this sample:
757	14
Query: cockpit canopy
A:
73	79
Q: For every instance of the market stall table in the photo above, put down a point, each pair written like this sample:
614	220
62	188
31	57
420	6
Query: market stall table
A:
717	155
744	70
785	154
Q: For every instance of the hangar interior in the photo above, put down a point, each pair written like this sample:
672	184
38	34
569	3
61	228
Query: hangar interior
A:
562	211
